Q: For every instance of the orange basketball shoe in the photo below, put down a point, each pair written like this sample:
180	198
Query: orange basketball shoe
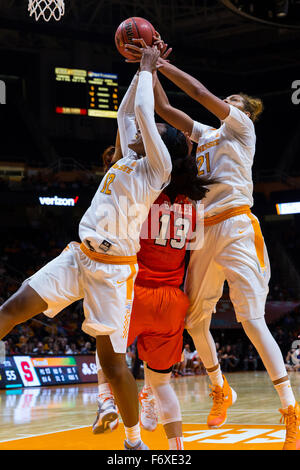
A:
223	398
291	419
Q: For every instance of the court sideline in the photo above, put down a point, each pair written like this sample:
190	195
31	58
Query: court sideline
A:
60	418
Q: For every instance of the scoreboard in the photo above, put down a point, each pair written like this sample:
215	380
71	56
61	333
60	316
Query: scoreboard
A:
56	370
9	374
86	93
26	371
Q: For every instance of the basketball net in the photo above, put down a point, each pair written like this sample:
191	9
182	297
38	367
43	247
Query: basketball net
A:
46	9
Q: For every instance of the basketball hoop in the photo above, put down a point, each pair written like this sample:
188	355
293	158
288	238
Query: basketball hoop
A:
46	9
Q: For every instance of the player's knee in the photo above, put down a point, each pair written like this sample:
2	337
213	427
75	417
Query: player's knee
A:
167	402
9	313
202	327
22	306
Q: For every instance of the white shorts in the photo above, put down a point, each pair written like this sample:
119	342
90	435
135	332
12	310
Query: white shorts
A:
233	250
107	291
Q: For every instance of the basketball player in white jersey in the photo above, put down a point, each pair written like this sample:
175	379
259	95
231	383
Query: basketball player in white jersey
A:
102	269
234	248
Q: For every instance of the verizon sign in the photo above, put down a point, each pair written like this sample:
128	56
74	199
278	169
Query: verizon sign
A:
58	201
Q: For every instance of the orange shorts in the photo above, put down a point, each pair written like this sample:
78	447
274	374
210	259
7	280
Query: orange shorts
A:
157	320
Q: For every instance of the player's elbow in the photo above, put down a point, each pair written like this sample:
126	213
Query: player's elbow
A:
140	109
200	94
163	110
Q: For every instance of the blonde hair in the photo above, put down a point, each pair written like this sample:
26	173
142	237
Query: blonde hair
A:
253	105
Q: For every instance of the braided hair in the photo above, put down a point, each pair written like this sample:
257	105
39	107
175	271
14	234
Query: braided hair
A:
184	175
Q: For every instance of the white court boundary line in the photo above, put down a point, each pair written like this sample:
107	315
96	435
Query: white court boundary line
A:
43	434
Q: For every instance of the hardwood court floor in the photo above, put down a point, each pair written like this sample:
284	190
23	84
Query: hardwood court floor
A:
60	418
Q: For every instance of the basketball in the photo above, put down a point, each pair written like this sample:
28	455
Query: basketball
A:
133	28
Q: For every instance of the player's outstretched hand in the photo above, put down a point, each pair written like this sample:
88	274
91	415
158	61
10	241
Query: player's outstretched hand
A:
149	59
162	46
136	49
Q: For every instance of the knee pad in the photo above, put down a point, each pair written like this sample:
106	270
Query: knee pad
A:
166	399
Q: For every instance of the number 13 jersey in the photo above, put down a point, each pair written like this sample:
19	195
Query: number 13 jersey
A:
163	239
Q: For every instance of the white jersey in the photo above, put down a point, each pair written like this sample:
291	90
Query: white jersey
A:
226	154
113	222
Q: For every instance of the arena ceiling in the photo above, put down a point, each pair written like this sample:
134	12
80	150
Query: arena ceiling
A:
203	33
227	51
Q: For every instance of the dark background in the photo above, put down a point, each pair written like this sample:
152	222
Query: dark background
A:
43	153
227	52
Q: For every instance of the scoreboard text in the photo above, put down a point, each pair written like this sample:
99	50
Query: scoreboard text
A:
86	93
26	371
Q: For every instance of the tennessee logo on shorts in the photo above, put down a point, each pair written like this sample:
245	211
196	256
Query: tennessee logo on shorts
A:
126	321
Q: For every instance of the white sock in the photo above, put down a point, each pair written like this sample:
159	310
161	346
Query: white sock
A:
176	443
216	377
285	393
133	434
105	391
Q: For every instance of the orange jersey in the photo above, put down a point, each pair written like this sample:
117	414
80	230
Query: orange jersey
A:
163	239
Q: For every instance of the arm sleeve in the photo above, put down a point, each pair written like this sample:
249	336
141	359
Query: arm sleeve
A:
241	126
126	118
158	158
198	130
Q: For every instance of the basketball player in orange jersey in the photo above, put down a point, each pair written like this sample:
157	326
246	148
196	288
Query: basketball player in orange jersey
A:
157	319
102	269
234	247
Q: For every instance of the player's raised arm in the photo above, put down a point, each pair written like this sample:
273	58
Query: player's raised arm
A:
159	159
118	150
235	118
195	89
126	117
190	86
175	117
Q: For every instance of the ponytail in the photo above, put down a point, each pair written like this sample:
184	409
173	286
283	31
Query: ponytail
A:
253	105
